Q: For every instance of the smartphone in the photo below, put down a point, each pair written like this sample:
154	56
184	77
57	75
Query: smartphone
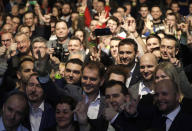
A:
102	32
32	2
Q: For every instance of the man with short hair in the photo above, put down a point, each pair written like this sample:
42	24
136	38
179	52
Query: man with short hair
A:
23	43
41	115
14	110
128	51
74	45
169	48
25	69
37	30
61	31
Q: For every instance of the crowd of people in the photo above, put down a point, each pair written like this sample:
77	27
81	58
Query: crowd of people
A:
95	65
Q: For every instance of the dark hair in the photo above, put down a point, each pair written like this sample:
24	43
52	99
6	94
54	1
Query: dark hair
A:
114	19
171	37
28	12
156	6
143	5
154	36
58	9
24	59
115	38
38	39
116	69
112	83
95	65
128	41
75	38
63	99
74	61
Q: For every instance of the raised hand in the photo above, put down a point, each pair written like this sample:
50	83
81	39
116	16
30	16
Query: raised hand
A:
96	56
41	65
81	111
102	17
109	112
174	60
2	50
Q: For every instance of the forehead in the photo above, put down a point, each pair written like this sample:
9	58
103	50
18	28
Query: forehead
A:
144	8
6	35
111	21
21	37
27	64
168	42
116	89
28	15
77	42
126	47
33	79
25	28
171	17
73	66
16	103
63	106
155	9
153	39
114	42
39	44
90	72
147	59
61	24
114	75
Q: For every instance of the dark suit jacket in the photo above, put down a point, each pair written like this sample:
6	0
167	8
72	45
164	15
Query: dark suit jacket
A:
47	120
136	76
148	117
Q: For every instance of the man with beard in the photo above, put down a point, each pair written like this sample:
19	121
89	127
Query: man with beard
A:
148	63
25	69
41	114
66	13
37	30
156	14
128	50
61	31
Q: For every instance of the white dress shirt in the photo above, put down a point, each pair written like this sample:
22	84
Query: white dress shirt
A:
143	90
171	117
35	116
93	109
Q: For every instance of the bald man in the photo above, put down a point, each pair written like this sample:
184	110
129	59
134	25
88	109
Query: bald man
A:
148	63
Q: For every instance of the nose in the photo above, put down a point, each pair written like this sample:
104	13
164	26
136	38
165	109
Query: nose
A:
111	99
71	73
88	81
146	69
12	115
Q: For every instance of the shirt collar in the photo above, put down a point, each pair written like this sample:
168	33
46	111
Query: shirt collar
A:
174	113
41	107
2	127
96	99
132	70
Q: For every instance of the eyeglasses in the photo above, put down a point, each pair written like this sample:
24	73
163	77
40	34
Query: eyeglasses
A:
21	42
7	40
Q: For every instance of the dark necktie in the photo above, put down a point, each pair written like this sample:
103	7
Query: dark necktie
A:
163	121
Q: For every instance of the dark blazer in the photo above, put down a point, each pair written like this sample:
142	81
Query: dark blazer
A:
47	120
136	76
148	117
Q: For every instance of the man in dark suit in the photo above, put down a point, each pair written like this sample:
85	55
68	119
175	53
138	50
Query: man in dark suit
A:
41	115
128	51
165	115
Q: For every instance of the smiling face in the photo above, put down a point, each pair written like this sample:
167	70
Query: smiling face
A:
167	47
148	63
160	75
23	44
115	97
64	115
166	98
127	55
90	81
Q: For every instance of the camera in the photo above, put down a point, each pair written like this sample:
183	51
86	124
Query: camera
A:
60	52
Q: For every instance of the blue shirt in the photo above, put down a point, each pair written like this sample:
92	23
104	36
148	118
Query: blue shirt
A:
20	127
